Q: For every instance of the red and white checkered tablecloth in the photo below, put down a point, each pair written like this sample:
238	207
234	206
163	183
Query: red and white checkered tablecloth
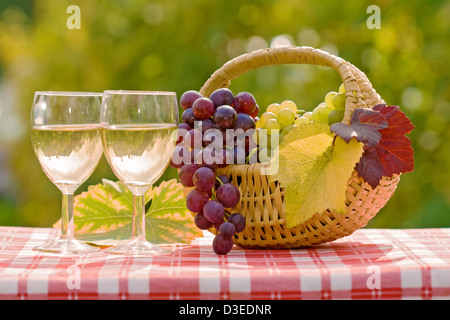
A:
370	264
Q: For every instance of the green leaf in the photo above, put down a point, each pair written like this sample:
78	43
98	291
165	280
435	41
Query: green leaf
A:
103	214
314	168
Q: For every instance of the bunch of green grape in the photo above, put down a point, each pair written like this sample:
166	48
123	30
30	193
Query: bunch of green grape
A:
331	111
278	118
282	118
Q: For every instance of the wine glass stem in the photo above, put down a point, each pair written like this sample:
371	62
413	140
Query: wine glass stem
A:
67	227
139	217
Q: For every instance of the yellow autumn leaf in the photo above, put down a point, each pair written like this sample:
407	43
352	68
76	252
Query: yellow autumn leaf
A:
314	168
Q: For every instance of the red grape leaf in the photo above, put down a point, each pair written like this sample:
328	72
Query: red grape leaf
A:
393	154
398	121
365	127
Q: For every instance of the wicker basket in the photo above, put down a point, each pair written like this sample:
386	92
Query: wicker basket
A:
262	201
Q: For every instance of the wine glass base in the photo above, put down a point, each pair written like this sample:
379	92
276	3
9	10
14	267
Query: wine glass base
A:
67	246
137	247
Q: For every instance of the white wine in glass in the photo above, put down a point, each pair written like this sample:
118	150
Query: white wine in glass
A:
137	153
66	138
138	141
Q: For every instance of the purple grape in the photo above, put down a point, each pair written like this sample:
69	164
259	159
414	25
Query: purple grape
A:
206	158
244	102
228	195
225	117
204	179
188	117
183	128
223	179
193	139
228	157
194	153
224	158
188	98
213	211
221	97
255	113
203	108
180	156
246	143
205	125
229	137
218	224
244	122
222	245
196	200
253	156
227	229
238	220
201	222
186	174
239	155
213	135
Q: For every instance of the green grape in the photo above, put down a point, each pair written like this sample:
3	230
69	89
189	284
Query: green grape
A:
320	113
272	124
301	120
342	88
329	99
266	116
335	116
286	117
287	129
339	101
307	115
288	104
274	108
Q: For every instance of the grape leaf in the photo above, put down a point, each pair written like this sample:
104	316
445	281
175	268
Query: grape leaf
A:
314	168
103	214
398	121
393	154
365	127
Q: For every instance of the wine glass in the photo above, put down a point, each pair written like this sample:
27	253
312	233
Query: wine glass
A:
137	136
66	138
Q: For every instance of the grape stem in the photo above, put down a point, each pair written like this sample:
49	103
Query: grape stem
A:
220	181
226	215
248	157
213	193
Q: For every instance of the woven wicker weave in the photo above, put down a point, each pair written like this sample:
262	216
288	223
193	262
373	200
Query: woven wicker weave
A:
262	201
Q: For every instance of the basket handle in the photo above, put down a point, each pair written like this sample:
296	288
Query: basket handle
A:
359	90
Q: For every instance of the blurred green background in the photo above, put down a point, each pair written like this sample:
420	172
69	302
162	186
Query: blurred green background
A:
175	45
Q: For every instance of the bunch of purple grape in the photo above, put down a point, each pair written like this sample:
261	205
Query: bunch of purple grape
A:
208	120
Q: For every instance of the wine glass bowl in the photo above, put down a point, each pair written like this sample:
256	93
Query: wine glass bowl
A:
66	138
138	142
